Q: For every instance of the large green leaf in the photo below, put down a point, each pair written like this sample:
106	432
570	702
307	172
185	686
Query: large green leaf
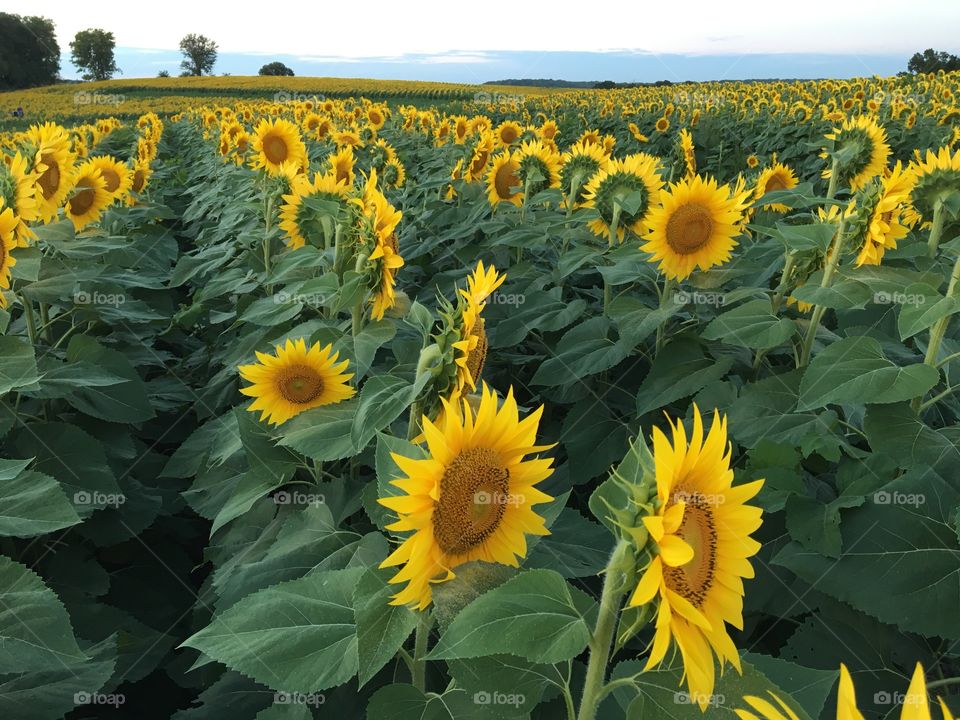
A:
854	370
678	373
405	702
381	628
31	503
751	325
18	365
298	636
535	615
323	433
126	402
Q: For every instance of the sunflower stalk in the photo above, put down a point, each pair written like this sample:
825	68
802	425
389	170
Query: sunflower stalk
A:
669	286
936	229
420	641
939	329
788	265
832	187
267	215
610	600
830	268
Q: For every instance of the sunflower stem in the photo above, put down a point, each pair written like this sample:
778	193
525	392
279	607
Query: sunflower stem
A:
419	672
29	320
669	285
788	265
939	330
602	637
830	268
936	229
832	187
267	214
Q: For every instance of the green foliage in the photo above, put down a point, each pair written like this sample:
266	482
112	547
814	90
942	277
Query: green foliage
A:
92	51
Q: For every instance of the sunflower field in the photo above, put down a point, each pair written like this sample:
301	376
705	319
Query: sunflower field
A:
580	405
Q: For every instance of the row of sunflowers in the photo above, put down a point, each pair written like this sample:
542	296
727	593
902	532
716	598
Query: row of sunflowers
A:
593	405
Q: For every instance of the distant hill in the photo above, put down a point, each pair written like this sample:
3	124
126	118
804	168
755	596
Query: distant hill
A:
582	84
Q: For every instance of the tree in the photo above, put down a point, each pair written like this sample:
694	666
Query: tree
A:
276	68
930	61
200	54
163	73
92	51
29	53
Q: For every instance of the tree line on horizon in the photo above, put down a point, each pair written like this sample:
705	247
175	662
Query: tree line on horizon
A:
30	57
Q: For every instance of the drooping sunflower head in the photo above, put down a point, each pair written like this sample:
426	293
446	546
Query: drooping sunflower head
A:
539	167
580	163
694	226
295	378
701	530
311	208
394	174
480	158
89	196
878	221
938	178
858	150
381	152
636	177
380	219
471	499
776	177
503	180
276	142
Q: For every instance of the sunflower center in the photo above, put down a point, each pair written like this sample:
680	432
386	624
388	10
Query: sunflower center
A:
82	201
112	179
689	228
478	355
474	493
776	182
49	181
698	529
505	180
139	180
275	149
479	161
508	134
299	384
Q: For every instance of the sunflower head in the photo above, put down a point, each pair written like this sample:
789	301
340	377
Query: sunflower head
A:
878	220
698	554
772	179
937	179
503	180
472	498
379	230
582	162
625	191
295	378
311	208
539	167
89	196
694	226
857	151
276	142
18	191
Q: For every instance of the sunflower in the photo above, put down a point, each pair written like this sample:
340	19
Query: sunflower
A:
579	164
694	226
346	138
938	177
139	178
295	379
385	259
548	130
859	151
376	116
879	216
480	158
539	167
774	178
662	125
89	197
8	243
915	704
503	180
752	161
507	133
18	190
296	218
277	142
53	165
686	153
394	174
461	127
340	164
635	174
116	176
471	499
471	349
702	530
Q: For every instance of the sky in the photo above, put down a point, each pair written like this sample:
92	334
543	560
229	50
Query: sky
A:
432	40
